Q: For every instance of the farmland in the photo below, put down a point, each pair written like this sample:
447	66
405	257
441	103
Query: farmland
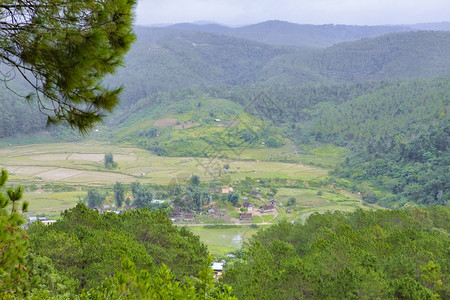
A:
56	176
82	164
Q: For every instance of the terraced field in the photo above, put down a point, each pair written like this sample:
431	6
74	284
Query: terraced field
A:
82	164
72	167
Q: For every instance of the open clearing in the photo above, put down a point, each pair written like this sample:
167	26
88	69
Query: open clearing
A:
223	239
165	122
51	204
82	164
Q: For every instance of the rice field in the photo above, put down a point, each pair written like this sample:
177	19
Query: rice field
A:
74	166
82	164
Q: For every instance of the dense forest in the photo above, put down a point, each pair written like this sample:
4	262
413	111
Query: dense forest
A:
86	255
140	254
377	254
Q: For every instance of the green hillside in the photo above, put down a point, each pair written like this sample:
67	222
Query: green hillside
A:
171	60
401	55
397	131
400	137
366	254
166	60
355	94
196	127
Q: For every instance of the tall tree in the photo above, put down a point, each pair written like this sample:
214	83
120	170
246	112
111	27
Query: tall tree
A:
13	241
119	194
63	49
109	161
194	180
94	198
141	194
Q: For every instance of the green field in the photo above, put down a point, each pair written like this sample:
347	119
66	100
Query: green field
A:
82	164
51	204
223	239
55	176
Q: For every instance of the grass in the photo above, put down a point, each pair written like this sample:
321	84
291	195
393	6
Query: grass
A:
82	164
221	241
310	200
51	204
257	219
201	134
267	218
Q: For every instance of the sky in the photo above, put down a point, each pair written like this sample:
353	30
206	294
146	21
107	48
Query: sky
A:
244	12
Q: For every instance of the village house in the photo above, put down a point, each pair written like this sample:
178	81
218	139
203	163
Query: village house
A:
126	207
248	206
272	201
217	267
227	190
176	214
97	208
188	218
157	201
245	217
255	193
48	222
42	219
266	208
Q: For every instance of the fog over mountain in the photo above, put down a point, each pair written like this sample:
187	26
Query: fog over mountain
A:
236	12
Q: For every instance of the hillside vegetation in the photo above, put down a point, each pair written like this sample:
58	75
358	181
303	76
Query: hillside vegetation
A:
365	254
164	60
197	127
89	247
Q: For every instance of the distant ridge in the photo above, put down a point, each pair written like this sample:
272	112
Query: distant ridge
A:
207	28
442	26
303	36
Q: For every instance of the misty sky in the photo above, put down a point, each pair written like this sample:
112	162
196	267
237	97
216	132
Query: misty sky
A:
242	12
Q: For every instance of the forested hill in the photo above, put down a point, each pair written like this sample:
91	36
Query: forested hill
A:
171	60
165	59
301	36
401	55
400	254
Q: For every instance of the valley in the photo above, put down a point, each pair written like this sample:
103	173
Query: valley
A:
56	177
314	155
